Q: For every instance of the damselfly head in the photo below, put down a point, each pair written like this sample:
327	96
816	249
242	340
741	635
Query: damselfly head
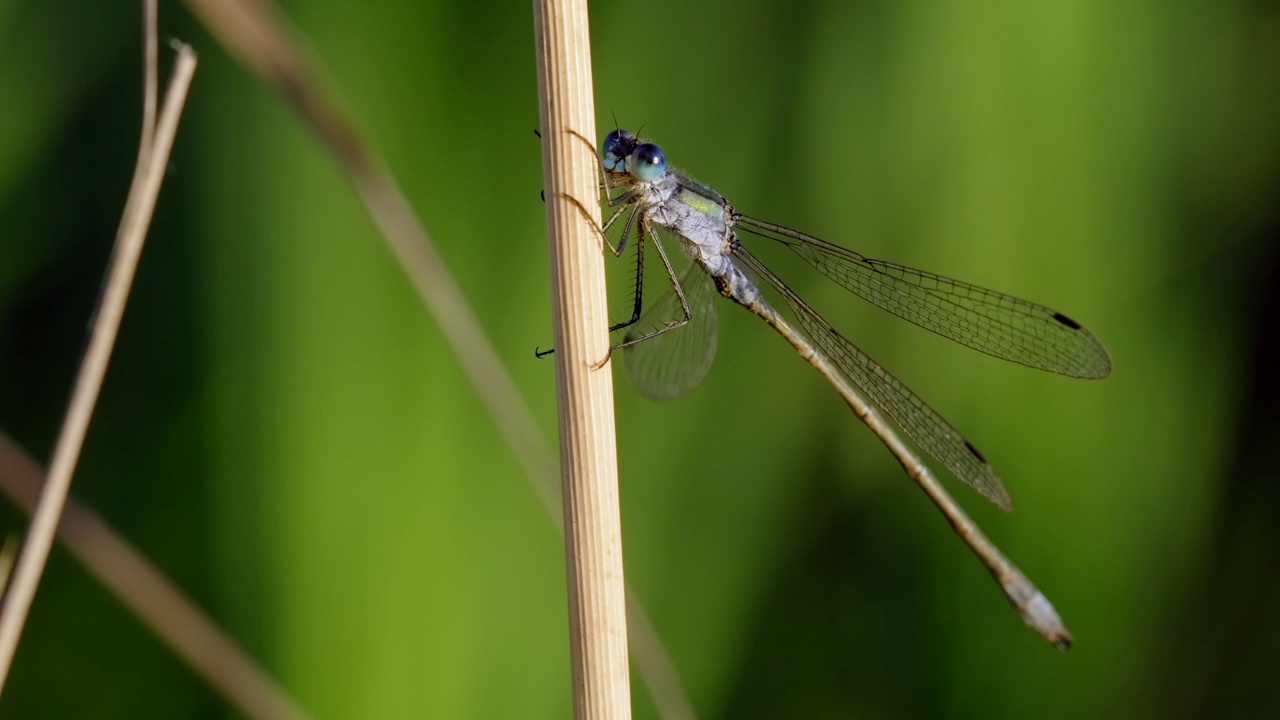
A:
617	147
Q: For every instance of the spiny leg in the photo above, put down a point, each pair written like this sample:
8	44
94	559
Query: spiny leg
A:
639	284
602	229
626	232
604	177
644	230
637	307
622	199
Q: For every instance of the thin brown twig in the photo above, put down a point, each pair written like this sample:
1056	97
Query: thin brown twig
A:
150	81
129	240
117	564
142	588
8	555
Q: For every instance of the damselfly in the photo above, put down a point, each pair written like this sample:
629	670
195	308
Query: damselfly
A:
669	358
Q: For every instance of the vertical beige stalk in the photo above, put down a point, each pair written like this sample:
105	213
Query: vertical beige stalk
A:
153	159
588	453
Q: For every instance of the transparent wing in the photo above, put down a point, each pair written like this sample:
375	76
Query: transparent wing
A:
934	435
987	321
673	363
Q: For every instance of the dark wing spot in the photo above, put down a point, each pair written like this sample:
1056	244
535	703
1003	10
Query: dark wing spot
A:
1066	321
975	452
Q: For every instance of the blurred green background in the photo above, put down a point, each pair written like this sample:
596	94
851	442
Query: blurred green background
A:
284	431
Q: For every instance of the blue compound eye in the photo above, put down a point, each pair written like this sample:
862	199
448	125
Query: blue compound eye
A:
615	149
646	162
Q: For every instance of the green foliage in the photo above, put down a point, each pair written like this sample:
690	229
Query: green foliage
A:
285	431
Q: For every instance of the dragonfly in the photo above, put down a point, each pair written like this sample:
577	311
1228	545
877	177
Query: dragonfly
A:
669	348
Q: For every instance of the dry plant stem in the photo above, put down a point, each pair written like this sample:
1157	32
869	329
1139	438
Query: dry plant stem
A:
588	451
142	588
115	563
8	555
150	81
133	228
